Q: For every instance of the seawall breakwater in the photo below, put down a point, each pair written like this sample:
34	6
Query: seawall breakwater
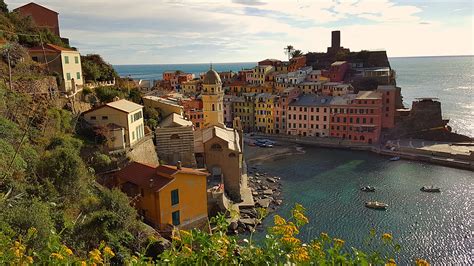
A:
461	161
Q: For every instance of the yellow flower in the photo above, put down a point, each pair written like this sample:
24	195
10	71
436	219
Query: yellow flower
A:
391	262
29	259
17	252
108	251
316	246
67	250
300	217
338	242
95	255
290	240
300	254
83	263
184	233
387	237
278	220
57	256
422	262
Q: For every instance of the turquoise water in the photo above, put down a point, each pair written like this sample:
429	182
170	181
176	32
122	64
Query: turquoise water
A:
437	226
448	78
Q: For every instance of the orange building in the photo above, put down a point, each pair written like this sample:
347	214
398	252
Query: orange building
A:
166	195
365	117
193	112
297	63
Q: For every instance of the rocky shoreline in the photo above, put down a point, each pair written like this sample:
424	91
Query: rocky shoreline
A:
266	192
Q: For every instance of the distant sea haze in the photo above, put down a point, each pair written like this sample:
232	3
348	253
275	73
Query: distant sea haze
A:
450	79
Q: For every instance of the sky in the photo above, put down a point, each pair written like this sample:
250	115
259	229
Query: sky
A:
219	31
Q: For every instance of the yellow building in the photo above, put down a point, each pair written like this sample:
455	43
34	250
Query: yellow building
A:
191	87
166	195
122	121
212	99
64	61
264	111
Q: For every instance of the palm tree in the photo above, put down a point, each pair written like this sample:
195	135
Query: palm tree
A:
296	53
289	49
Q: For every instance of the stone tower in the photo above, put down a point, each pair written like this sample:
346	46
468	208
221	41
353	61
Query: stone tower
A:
212	99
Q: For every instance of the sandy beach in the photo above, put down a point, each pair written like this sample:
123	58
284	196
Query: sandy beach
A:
255	155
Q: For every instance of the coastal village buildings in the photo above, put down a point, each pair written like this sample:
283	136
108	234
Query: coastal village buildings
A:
315	95
166	195
122	121
309	115
65	61
165	106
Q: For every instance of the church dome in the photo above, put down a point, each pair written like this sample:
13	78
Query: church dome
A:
212	78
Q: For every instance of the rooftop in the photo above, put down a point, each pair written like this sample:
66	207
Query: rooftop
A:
312	100
369	95
338	63
125	105
175	120
50	48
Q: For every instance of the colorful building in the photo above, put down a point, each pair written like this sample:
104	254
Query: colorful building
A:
365	117
339	116
337	71
244	108
164	106
191	87
283	99
122	121
212	98
296	63
309	115
193	112
166	196
65	61
264	117
391	98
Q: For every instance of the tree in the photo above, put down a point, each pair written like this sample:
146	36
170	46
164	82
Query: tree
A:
3	7
296	53
289	50
94	68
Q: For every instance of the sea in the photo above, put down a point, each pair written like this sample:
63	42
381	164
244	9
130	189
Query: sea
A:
437	227
449	78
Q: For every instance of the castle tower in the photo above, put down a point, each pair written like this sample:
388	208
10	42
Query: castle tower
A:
212	99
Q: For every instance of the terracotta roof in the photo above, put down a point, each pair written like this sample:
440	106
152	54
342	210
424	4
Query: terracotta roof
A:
172	170
50	48
143	175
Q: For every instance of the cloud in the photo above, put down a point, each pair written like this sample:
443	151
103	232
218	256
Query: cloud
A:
190	31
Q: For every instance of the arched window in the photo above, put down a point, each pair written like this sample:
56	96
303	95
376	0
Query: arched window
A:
232	155
174	136
213	107
216	147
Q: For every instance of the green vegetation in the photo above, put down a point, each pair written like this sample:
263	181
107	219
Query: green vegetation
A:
94	68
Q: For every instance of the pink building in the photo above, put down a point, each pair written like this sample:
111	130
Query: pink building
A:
281	106
309	116
337	71
358	119
193	112
390	95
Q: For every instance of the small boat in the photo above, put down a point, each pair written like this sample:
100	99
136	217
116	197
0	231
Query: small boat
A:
376	205
368	189
430	189
396	158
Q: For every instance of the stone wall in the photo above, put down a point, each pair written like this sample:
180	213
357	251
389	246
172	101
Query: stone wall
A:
144	152
176	144
45	85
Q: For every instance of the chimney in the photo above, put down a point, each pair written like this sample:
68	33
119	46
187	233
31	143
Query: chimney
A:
336	39
178	165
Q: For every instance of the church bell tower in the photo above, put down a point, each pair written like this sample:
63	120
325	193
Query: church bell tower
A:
212	99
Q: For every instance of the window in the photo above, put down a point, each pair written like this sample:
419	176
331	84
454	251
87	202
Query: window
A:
68	76
35	58
175	217
174	197
78	75
93	118
104	117
133	135
76	59
66	60
216	147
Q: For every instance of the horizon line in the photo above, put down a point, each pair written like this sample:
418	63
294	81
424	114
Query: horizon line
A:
248	62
